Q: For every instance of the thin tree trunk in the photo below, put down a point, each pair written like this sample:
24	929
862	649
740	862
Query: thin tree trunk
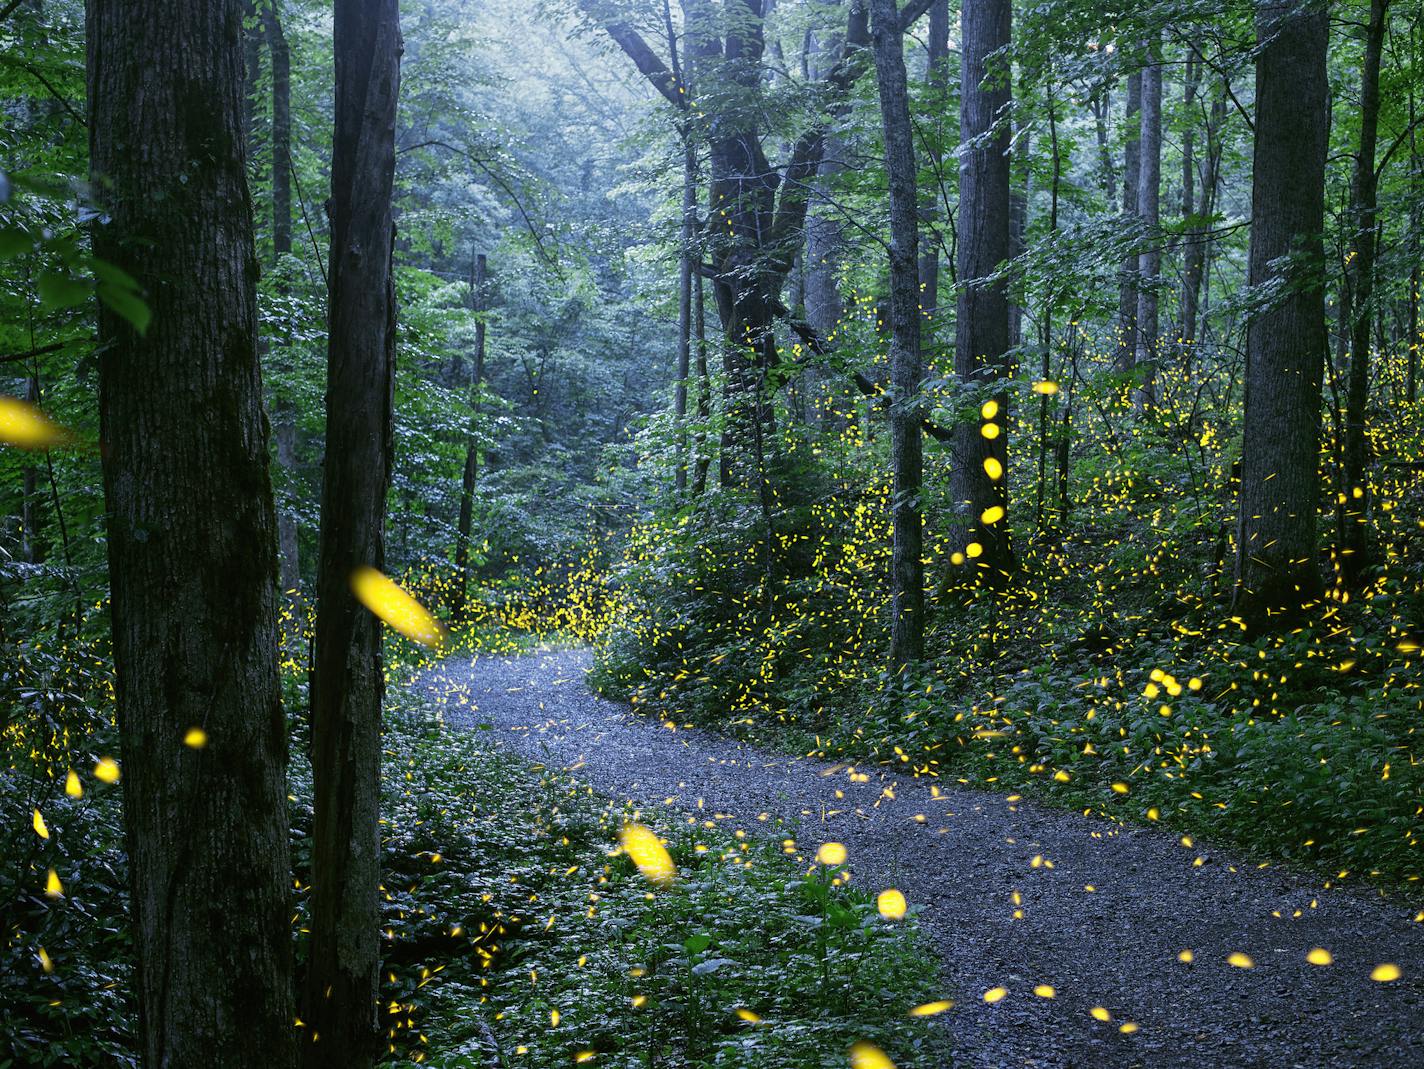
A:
465	523
907	600
1045	368
1194	260
1149	199
1131	168
1019	195
1186	301
937	78
191	540
1277	571
684	303
980	478
1364	244
704	386
284	416
347	683
31	541
1102	107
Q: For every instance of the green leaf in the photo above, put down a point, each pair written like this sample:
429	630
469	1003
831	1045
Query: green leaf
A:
126	303
13	242
62	291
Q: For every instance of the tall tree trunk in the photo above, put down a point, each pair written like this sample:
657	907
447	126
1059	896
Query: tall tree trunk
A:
937	78
704	387
1416	240
907	583
1277	571
1131	169
981	342
1045	337
1020	194
1198	232
191	539
284	416
1102	107
1364	244
347	683
472	448
1149	200
1191	80
252	69
684	302
31	541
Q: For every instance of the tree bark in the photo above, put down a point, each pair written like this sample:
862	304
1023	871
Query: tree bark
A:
191	539
907	601
1102	107
347	683
937	77
1277	571
465	523
284	416
980	480
684	303
1364	243
1198	233
704	387
1131	170
32	549
1149	200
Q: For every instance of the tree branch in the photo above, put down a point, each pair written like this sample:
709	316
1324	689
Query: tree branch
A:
913	10
53	347
643	57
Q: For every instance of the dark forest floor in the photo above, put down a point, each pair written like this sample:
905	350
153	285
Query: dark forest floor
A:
1016	895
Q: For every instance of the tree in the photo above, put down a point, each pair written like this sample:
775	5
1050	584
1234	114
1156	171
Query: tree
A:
760	210
981	335
191	538
1131	180
1364	244
347	684
284	417
472	447
907	600
1149	199
1277	573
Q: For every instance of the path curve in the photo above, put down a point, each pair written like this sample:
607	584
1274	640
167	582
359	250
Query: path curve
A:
1114	947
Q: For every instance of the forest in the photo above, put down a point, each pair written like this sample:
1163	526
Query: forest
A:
777	534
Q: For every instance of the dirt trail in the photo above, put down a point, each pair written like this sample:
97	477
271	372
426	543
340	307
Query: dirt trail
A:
961	858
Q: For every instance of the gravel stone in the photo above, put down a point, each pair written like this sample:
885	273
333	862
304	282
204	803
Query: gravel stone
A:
959	858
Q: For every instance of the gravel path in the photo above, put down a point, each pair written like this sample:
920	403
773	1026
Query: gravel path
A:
962	857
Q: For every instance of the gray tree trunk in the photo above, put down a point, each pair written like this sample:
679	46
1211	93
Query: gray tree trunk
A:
284	416
1195	259
1131	169
907	578
981	341
347	683
1277	571
937	77
684	303
465	523
1364	243
1149	200
191	539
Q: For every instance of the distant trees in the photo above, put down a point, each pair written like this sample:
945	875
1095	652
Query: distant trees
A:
191	539
758	211
347	683
1277	571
